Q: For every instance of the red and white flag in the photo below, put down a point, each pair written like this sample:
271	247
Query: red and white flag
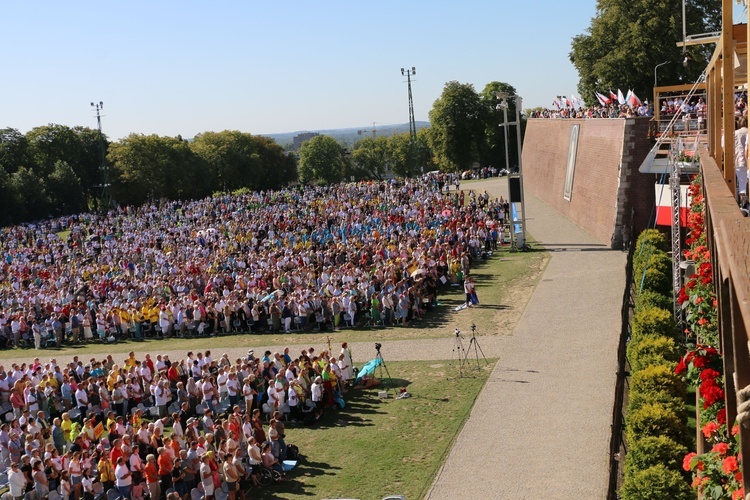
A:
602	100
620	98
612	97
633	99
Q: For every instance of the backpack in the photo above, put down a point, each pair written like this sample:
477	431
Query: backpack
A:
292	452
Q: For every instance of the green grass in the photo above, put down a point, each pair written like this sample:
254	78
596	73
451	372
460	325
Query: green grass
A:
504	283
375	447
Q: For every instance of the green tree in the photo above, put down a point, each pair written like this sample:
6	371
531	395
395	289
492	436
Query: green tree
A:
14	150
64	190
10	204
51	143
424	151
322	160
231	157
151	166
31	195
493	151
278	168
628	38
457	126
370	158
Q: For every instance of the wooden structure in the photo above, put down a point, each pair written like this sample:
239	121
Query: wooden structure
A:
727	230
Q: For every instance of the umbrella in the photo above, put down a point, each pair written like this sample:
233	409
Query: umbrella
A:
446	212
270	295
369	368
418	272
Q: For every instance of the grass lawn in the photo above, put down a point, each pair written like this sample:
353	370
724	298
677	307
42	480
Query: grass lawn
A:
374	447
504	285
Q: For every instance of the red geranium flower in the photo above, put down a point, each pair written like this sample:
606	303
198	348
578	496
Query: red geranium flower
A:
720	448
700	361
681	367
739	494
730	464
710	428
721	417
709	374
735	430
686	461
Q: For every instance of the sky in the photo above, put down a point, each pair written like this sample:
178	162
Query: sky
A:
168	68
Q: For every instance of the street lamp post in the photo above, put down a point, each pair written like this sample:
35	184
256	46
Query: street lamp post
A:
655	68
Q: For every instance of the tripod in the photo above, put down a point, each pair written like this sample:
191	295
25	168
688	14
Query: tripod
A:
389	384
477	348
458	352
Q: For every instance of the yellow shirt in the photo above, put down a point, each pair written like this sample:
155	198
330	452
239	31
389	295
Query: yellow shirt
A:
66	425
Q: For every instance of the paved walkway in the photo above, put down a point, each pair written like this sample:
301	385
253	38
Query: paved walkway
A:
540	427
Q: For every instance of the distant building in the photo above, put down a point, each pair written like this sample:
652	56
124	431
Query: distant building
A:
300	138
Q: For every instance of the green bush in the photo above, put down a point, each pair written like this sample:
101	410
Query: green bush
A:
648	351
656	419
654	322
652	237
654	274
656	482
652	298
658	378
654	450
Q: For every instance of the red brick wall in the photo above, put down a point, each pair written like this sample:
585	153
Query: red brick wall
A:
601	189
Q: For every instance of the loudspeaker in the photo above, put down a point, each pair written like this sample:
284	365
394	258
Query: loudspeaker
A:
514	186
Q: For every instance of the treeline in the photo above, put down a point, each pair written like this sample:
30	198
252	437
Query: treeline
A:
57	170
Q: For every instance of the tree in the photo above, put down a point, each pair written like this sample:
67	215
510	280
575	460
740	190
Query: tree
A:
10	203
231	157
14	150
151	166
278	168
628	38
51	143
321	160
457	126
31	194
64	190
370	158
493	152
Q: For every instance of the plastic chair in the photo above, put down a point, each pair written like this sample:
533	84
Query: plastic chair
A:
3	480
113	494
195	494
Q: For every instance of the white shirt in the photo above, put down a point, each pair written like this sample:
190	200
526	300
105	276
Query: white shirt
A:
120	472
82	399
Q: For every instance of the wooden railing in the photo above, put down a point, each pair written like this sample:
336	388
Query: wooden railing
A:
728	237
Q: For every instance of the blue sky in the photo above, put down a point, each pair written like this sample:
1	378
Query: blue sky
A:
185	67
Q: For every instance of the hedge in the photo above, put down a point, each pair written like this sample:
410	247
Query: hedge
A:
654	322
652	298
654	450
655	419
656	482
652	237
649	350
657	275
657	384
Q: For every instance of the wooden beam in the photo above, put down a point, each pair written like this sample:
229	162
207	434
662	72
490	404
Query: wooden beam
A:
727	88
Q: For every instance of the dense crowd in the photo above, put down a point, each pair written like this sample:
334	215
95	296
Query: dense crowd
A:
151	426
611	111
291	259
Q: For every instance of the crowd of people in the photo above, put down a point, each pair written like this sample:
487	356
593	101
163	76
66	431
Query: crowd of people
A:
301	258
612	111
148	427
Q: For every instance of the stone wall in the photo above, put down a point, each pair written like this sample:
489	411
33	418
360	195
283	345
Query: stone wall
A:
608	191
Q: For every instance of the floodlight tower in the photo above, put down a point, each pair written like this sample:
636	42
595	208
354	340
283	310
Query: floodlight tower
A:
412	123
106	199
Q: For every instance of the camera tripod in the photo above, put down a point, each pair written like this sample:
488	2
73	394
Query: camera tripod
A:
389	384
458	352
477	350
